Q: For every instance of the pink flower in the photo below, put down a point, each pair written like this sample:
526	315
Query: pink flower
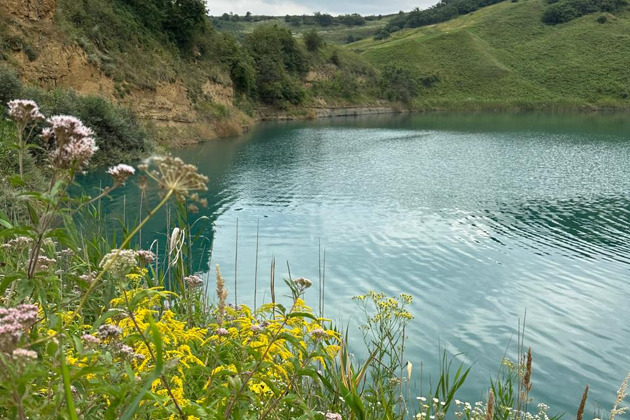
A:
24	111
333	416
24	354
74	142
121	172
193	282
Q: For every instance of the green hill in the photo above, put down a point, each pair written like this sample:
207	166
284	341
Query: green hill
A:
503	56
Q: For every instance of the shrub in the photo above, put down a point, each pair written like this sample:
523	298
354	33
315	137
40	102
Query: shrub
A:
399	83
313	41
280	64
10	85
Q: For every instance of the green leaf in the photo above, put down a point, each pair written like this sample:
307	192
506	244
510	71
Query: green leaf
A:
66	387
302	315
157	372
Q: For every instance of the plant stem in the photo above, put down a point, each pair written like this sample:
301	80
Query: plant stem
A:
122	246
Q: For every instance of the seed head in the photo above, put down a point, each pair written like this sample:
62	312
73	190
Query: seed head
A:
174	175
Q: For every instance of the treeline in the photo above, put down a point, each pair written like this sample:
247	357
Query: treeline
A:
441	12
561	11
316	19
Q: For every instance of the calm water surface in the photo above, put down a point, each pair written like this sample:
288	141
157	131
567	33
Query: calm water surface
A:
479	217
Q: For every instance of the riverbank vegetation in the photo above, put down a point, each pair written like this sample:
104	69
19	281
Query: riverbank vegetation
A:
92	326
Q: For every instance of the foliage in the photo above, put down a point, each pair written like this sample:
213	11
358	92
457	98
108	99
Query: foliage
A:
313	41
280	64
441	12
10	85
567	10
399	83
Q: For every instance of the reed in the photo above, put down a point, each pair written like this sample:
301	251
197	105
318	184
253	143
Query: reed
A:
580	412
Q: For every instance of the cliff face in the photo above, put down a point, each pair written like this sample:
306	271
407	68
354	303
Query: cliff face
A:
61	63
33	10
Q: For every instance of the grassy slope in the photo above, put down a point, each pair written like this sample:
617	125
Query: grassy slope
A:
503	56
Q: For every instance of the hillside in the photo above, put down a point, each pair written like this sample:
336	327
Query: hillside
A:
503	56
168	63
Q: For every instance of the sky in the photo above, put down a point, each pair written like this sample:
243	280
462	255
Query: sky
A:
299	7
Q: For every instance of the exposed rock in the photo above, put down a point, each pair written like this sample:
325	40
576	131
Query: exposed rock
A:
33	10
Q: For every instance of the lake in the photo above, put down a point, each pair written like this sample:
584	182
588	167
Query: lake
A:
480	217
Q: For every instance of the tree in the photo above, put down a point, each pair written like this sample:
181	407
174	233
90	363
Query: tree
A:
280	64
323	19
313	41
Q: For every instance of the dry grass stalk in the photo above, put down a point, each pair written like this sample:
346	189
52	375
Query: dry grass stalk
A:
580	412
527	379
621	394
490	408
222	294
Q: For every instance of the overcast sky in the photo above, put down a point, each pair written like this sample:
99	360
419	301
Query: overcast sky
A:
299	7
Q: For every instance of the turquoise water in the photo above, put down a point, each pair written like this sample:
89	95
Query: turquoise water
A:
479	217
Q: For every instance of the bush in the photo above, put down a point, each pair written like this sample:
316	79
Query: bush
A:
567	10
10	85
280	64
399	83
313	41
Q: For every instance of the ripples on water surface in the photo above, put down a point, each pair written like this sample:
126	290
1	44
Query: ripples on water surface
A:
478	217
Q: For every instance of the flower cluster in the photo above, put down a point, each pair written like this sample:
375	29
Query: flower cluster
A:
13	323
19	243
120	173
24	111
74	143
119	261
193	281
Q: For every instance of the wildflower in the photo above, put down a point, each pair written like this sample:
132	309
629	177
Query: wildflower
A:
13	321
146	257
193	282
436	401
125	350
109	331
222	294
88	278
90	339
221	332
17	243
24	111
319	334
74	142
119	261
24	354
333	416
256	328
423	399
303	283
44	263
193	208
120	173
174	175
